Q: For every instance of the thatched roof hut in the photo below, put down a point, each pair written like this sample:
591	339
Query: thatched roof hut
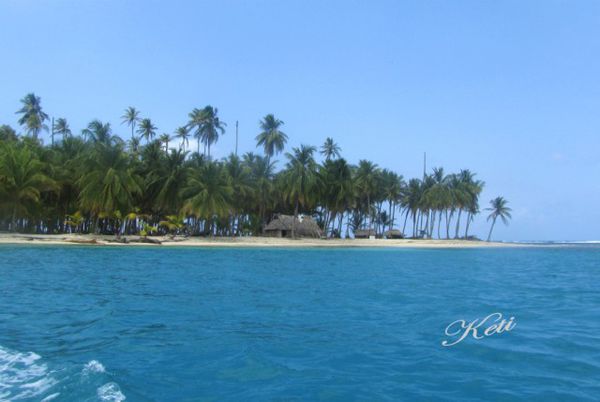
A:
364	233
281	226
393	234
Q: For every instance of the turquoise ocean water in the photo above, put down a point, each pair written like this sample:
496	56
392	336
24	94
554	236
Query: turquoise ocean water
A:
182	324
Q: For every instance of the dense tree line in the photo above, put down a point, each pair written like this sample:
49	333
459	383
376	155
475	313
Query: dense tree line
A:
98	182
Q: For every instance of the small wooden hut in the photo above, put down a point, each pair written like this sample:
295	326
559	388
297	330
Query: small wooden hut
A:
364	233
393	234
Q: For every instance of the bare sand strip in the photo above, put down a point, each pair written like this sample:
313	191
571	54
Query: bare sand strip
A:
72	239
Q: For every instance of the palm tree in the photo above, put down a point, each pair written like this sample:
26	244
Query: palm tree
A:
500	209
109	183
337	192
207	126
262	174
300	178
147	130
100	133
211	127
32	116
165	138
330	149
134	145
62	127
365	179
7	133
272	139
22	181
183	133
208	193
170	181
195	123
131	117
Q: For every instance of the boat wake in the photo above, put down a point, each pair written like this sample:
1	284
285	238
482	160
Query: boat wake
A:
25	376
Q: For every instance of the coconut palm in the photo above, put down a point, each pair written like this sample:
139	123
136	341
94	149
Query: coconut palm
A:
300	178
365	181
131	117
7	133
195	123
109	183
165	138
134	145
100	133
330	149
208	194
146	129
272	139
211	127
22	181
499	209
207	126
183	134
337	192
32	117
61	126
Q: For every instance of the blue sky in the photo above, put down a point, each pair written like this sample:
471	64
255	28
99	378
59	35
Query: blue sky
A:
507	89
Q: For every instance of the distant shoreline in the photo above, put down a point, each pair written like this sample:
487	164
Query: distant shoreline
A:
106	240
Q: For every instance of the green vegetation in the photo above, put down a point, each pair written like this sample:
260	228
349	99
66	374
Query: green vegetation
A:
98	183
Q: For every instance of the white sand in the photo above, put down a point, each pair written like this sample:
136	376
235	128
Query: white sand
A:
9	238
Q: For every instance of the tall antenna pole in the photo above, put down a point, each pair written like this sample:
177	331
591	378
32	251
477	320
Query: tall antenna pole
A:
424	165
236	137
52	135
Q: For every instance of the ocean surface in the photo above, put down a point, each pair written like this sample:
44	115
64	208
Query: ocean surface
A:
182	324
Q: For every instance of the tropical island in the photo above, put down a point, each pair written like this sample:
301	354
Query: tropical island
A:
152	186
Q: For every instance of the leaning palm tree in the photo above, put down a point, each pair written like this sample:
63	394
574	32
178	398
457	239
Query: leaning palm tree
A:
62	127
330	149
146	129
272	139
131	117
499	209
183	134
32	116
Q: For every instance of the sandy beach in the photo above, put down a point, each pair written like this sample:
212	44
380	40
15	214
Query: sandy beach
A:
102	240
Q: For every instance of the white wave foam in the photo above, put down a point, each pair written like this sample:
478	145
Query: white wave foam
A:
93	366
21	377
110	392
51	397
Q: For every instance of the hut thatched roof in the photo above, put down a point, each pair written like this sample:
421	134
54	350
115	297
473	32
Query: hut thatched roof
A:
393	234
305	225
364	232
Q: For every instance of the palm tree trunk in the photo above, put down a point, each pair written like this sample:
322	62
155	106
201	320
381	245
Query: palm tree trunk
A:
447	224
467	225
294	220
13	225
457	224
492	228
